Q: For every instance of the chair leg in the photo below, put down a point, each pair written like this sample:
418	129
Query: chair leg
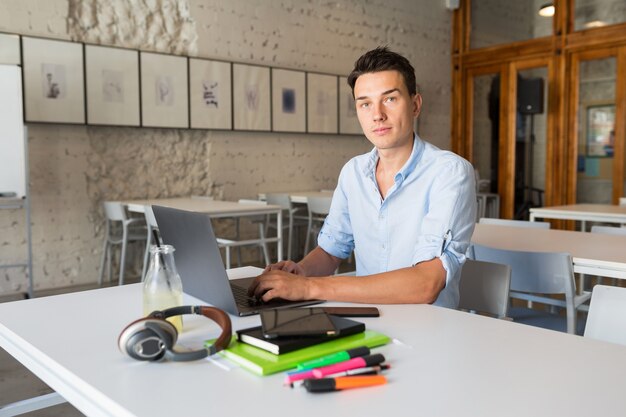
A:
123	257
146	254
110	262
103	259
290	236
307	241
266	254
227	250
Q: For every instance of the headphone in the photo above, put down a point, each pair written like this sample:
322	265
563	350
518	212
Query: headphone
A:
151	338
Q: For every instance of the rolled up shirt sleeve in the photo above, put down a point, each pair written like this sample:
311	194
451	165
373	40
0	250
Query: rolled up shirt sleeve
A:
449	223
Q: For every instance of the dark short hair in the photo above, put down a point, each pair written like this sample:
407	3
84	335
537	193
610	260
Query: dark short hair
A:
382	59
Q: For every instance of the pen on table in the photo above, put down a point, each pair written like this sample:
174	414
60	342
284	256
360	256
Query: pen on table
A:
298	376
334	358
353	363
341	383
370	370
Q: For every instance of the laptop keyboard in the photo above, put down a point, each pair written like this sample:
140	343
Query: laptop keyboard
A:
242	298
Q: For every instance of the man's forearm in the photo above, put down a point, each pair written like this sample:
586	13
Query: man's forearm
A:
319	263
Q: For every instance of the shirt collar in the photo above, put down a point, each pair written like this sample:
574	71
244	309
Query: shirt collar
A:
369	170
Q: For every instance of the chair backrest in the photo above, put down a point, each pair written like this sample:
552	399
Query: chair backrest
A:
533	272
607	314
319	205
608	230
114	211
514	223
279	199
484	287
252	202
150	219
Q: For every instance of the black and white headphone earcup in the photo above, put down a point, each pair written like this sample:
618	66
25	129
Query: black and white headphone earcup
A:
148	339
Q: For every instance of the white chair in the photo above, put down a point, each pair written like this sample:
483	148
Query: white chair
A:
536	276
484	288
607	230
514	223
151	226
292	219
119	230
318	210
237	242
607	314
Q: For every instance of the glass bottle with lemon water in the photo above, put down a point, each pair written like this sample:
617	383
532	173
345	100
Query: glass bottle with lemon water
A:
162	287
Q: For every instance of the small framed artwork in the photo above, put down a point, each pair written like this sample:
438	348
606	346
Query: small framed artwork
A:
288	101
164	94
600	129
251	97
322	103
348	121
53	81
210	93
9	49
112	76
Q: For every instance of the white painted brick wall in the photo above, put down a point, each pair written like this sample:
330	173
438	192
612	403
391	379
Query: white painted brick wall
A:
75	168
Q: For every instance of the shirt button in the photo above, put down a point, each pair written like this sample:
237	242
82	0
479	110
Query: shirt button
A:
383	245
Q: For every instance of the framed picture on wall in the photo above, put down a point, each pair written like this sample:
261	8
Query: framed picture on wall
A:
251	97
600	129
112	76
321	103
348	121
53	81
288	101
164	94
210	94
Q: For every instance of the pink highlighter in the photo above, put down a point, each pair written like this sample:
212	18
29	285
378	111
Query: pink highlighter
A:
354	363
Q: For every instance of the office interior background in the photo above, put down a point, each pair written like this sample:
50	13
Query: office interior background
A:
470	62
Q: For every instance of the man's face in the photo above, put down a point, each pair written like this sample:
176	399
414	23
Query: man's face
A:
385	109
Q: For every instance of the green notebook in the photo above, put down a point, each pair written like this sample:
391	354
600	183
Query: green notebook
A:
262	362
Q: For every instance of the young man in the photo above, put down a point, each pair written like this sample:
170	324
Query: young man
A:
406	208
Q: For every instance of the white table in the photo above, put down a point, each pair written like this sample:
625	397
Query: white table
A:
445	363
606	213
301	197
216	209
592	253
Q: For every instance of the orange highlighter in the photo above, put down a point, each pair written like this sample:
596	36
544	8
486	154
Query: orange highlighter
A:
341	383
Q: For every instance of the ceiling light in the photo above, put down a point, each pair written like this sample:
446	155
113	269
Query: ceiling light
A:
595	24
546	10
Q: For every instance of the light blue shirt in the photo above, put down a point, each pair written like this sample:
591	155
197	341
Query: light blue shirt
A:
429	212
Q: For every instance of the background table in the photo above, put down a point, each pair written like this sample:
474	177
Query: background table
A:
444	363
606	213
216	209
592	253
301	197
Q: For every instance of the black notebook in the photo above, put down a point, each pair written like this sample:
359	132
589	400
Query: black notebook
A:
254	336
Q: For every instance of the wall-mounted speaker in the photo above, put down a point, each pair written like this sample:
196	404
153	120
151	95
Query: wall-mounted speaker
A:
530	95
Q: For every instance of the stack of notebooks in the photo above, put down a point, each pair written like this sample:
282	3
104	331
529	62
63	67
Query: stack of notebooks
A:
267	356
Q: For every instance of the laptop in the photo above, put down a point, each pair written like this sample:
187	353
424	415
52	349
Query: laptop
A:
200	266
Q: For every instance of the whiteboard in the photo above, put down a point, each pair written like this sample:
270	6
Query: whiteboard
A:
12	146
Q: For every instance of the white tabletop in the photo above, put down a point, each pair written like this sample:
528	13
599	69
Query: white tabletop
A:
213	208
584	212
303	196
445	363
604	254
